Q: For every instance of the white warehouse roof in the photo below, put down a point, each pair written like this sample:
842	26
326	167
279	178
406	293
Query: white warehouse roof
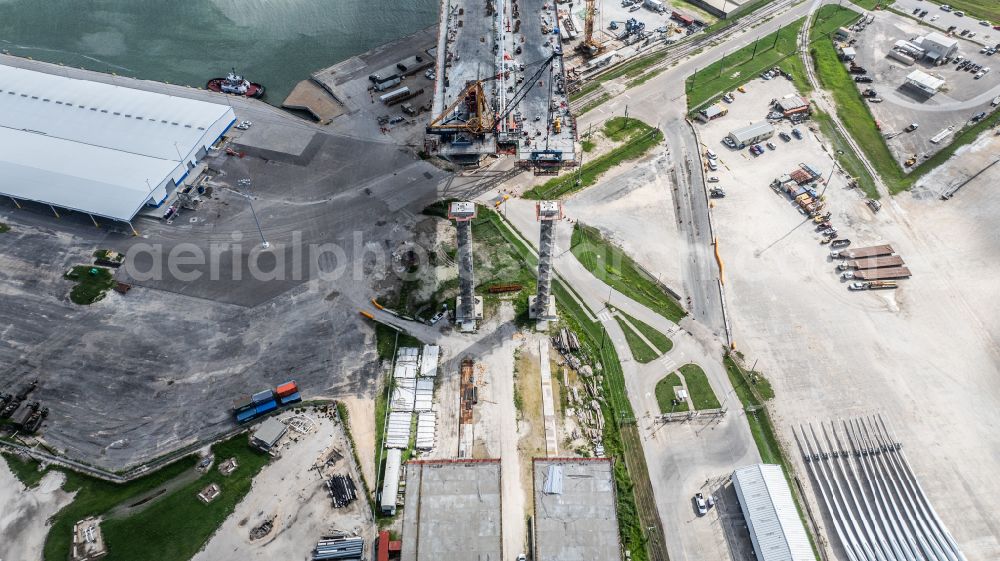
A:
98	148
925	81
775	527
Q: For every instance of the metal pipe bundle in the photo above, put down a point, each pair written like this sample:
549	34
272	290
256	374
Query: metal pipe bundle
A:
349	548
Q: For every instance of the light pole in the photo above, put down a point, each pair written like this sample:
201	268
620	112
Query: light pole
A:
245	183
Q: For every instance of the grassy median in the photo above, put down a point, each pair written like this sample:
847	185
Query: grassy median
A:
641	352
698	387
665	394
616	269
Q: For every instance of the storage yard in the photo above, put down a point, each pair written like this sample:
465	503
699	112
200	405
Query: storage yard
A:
922	322
300	500
939	116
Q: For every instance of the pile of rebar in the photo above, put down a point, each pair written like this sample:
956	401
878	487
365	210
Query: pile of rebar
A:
342	490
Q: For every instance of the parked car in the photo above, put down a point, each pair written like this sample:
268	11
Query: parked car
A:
771	146
699	502
713	179
717	193
911	127
711	155
841	243
712	165
864	79
784	136
797	133
960	14
971	34
946	7
979	116
935	17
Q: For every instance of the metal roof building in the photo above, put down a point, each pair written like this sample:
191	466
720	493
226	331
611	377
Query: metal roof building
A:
924	82
97	148
390	481
752	133
775	527
268	434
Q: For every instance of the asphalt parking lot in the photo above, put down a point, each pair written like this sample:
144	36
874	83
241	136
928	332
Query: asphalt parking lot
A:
963	95
985	35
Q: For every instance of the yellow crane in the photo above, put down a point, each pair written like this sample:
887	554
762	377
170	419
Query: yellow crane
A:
590	46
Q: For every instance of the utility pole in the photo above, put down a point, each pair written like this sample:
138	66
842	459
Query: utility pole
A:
245	183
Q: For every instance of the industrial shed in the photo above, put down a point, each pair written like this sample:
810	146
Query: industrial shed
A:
96	148
390	481
924	82
752	134
772	519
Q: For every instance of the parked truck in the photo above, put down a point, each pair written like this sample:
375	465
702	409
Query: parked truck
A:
872	263
888	273
655	5
860	252
394	95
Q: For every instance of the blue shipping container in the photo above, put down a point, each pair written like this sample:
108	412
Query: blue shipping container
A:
261	397
266	406
244	416
293	398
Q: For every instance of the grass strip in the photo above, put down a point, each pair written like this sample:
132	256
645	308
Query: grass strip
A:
661	341
776	49
698	387
588	174
616	269
641	352
26	471
593	104
665	394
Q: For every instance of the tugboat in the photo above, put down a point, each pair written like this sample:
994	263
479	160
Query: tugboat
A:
236	85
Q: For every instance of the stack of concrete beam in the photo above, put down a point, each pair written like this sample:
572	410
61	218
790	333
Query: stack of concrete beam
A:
424	395
397	429
426	430
429	360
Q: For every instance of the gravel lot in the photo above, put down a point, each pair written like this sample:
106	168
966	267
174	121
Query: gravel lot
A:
924	355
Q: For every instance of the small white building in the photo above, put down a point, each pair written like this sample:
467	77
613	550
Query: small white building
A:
751	134
924	82
937	45
847	53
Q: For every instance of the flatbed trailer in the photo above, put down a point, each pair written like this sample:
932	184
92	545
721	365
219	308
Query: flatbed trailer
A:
871	251
882	274
875	262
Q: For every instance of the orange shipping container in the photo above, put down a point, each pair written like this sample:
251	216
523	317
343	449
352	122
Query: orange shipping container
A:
286	389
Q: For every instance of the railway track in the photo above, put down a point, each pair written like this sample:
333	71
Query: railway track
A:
677	51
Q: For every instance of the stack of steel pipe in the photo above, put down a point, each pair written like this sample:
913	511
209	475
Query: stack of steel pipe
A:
342	548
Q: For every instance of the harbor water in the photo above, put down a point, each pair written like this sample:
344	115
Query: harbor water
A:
274	42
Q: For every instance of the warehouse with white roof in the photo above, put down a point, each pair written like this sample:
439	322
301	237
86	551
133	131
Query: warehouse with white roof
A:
101	149
775	527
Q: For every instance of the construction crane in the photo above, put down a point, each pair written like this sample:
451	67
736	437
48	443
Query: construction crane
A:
589	46
478	119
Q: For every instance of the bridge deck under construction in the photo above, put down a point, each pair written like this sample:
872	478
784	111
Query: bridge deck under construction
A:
504	44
